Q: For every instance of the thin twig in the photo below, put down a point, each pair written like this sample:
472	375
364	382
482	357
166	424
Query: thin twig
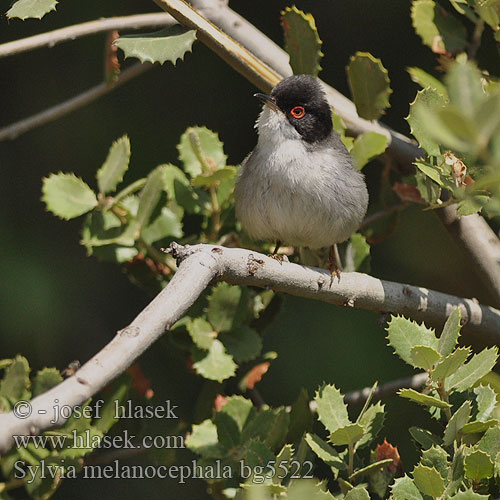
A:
199	266
16	129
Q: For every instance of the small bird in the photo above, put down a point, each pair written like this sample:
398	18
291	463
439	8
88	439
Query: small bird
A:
299	186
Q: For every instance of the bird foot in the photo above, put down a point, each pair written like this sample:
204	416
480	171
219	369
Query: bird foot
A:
335	271
280	258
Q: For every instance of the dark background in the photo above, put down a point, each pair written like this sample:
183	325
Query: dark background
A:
57	305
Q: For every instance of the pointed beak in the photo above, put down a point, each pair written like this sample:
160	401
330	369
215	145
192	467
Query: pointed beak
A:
267	100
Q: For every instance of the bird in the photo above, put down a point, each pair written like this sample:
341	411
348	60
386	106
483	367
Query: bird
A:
299	186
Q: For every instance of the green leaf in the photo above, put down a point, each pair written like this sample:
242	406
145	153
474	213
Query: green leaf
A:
424	357
44	380
424	79
323	450
113	169
302	41
201	333
165	225
478	426
456	422
451	331
269	425
469	495
428	480
242	342
215	364
115	395
467	375
203	440
472	204
478	465
16	382
357	493
438	29
332	411
436	457
369	83
465	87
67	196
451	363
368	146
201	151
301	417
308	489
404	334
430	171
149	197
486	399
423	399
228	307
219	175
228	432
357	254
169	44
24	9
240	409
372	421
428	99
348	434
283	460
370	469
424	437
490	442
456	474
404	489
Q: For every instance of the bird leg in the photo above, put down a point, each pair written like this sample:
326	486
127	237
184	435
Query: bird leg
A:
333	265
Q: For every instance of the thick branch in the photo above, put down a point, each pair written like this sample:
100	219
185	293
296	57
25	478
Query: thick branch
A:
201	264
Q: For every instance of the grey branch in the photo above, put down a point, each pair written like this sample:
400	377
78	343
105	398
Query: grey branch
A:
200	265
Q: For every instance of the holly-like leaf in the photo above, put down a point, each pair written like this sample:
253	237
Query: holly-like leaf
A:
227	307
242	342
451	331
436	457
149	197
478	426
357	493
467	375
167	224
113	169
368	146
370	469
240	409
490	442
201	332
486	399
219	175
424	357
228	433
214	364
67	196
423	399
15	383
478	465
456	422
472	204
370	85
302	41
404	334
45	379
203	440
451	363
24	9
424	437
348	434
428	99
179	189
169	44
332	411
323	450
424	79
469	495
404	489
372	421
269	425
428	480
201	151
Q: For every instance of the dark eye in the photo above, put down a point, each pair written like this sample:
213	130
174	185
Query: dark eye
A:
298	112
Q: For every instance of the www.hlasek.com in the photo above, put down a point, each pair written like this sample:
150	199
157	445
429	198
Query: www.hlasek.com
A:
258	474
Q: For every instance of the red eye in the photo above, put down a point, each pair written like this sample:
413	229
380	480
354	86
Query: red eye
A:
298	112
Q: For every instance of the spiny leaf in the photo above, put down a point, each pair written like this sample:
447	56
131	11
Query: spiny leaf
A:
490	442
419	76
228	432
428	480
214	364
423	399
368	146
372	421
179	189
332	411
456	422
469	495
169	44
201	332
451	363
478	426
424	357
369	83
24	9
370	469
240	409
451	331
219	175
424	437
404	489
116	164
165	225
302	41
478	465
15	383
204	441
472	204
486	399
357	493
436	457
323	450
242	342
349	434
45	379
67	196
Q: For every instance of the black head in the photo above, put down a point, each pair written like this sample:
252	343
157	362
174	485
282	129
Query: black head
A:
302	100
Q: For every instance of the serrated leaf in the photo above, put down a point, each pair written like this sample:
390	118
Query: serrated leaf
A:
428	480
219	175
423	399
167	224
486	399
465	87
472	204
169	44
404	334
308	489
451	363
467	375
372	420
201	151
268	425
490	442
366	147
113	169
15	383
456	473
424	79
283	460
451	331
44	380
478	465
24	9
204	441
404	489
424	357
424	437
468	495
370	469
332	411
478	426
370	85
240	409
436	457
456	422
302	41
214	364
149	197
438	29
348	434
179	189
228	432
201	332
323	450
428	99
67	196
242	342
357	493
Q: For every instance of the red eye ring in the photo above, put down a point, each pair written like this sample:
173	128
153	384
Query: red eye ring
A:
298	112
